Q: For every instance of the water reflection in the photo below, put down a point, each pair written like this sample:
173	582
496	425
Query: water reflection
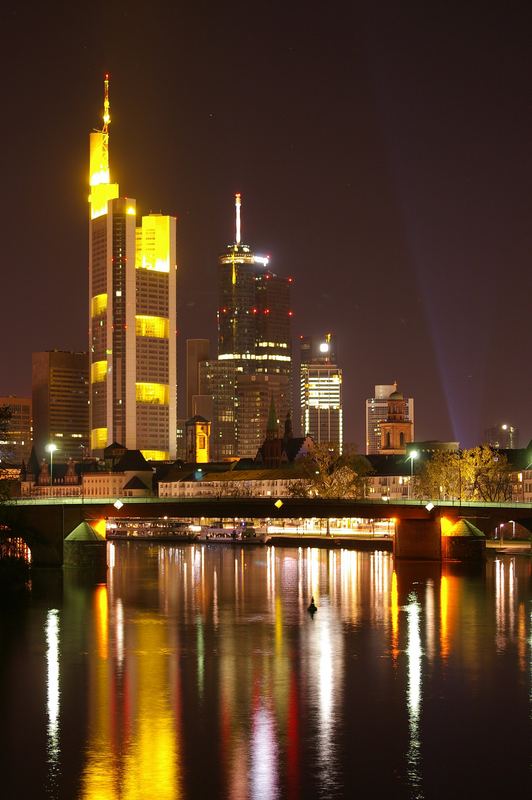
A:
197	672
52	698
414	653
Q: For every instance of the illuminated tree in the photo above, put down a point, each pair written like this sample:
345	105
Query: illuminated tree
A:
327	474
480	473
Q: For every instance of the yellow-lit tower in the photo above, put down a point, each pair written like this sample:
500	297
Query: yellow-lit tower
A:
132	313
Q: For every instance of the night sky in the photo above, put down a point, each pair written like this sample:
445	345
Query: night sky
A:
384	155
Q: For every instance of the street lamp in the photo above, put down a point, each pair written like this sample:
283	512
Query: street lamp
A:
413	454
51	448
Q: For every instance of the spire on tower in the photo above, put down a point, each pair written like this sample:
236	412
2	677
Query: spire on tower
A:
237	205
106	112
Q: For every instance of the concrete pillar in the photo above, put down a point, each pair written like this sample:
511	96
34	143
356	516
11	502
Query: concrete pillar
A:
418	539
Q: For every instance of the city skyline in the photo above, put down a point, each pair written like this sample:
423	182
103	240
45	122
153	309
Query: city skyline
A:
389	192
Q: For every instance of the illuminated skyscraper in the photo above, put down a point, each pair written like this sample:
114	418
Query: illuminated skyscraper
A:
321	391
377	411
253	338
132	306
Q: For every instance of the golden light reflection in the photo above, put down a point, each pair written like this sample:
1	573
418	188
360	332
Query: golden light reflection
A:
394	609
414	655
151	762
102	620
444	617
500	608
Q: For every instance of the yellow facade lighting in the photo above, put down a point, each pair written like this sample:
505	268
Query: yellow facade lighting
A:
98	371
155	327
156	455
153	393
98	438
98	304
153	243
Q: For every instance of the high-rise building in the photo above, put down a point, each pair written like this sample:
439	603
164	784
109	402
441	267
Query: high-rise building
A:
15	444
377	411
218	384
198	350
254	319
321	391
502	436
132	339
60	403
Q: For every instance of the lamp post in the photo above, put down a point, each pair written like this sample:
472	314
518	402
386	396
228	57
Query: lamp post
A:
413	454
51	448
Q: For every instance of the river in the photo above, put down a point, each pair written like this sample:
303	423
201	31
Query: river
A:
196	671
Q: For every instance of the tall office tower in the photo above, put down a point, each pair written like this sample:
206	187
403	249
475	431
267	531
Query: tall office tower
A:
197	350
254	336
132	332
15	445
502	436
60	403
321	391
218	384
377	411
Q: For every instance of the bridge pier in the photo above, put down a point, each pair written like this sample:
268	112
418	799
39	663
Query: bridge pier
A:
418	539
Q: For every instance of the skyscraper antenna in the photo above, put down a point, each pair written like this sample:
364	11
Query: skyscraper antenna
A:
237	205
106	113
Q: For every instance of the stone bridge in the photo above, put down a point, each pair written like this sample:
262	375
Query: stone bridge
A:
44	522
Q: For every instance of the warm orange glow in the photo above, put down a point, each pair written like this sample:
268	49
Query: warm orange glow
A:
100	526
394	603
444	612
447	526
102	623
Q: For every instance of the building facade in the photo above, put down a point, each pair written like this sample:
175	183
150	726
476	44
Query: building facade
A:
132	311
218	385
397	428
198	350
60	403
254	323
321	391
15	444
377	411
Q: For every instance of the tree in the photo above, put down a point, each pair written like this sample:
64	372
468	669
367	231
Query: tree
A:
325	473
480	473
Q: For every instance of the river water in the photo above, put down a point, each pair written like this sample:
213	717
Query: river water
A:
197	672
